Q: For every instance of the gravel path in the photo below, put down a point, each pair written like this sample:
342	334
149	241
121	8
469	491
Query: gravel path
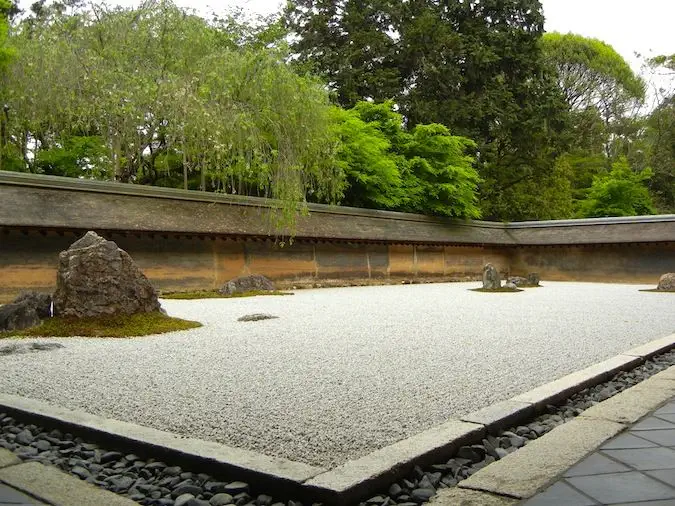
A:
342	371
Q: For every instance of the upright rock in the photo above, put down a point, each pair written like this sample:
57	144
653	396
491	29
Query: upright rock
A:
667	282
95	278
26	311
491	279
243	284
533	279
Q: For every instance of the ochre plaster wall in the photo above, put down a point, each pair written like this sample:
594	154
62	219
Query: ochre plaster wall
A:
612	263
28	261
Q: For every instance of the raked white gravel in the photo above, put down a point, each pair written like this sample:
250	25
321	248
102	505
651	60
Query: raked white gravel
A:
342	371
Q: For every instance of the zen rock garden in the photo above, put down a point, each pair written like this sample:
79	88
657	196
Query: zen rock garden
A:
492	281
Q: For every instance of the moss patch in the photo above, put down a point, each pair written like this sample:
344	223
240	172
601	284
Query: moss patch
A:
496	290
218	295
141	324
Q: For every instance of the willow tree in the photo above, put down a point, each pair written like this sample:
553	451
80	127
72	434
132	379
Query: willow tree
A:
158	95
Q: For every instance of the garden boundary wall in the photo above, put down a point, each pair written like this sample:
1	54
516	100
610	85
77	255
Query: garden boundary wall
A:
188	240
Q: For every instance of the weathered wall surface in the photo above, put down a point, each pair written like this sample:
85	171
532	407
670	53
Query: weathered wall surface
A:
28	260
197	241
611	263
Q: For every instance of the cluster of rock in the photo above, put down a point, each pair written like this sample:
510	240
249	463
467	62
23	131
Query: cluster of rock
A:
27	310
244	284
492	280
667	282
147	481
95	277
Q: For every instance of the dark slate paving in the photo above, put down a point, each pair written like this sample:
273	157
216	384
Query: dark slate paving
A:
652	423
597	464
636	468
628	441
667	409
561	494
661	437
622	487
12	497
645	459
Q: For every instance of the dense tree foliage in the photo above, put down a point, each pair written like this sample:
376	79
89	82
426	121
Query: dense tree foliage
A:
5	51
423	170
156	95
621	192
459	108
472	66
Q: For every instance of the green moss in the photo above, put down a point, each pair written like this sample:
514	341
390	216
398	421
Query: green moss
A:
141	324
496	290
218	295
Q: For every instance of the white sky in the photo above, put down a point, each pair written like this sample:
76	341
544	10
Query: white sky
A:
644	26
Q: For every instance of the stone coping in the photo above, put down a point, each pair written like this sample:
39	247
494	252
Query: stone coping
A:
359	478
363	224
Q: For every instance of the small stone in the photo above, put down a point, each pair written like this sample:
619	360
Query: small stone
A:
470	453
221	500
183	500
27	451
80	472
377	500
517	441
236	487
256	317
395	490
110	457
24	437
186	489
197	502
501	453
215	487
153	466
421	495
425	482
42	445
172	471
264	500
120	483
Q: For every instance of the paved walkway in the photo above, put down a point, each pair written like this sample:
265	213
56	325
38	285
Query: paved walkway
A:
635	468
12	497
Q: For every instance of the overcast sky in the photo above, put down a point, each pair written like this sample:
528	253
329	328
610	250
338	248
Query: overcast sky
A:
644	26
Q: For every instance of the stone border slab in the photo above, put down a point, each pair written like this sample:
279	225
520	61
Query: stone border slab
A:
273	472
562	388
7	458
464	497
358	478
500	414
523	473
630	405
57	488
652	348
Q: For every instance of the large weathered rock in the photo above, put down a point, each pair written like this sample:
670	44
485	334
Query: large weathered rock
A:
491	279
254	282
96	278
518	281
667	282
533	279
26	311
